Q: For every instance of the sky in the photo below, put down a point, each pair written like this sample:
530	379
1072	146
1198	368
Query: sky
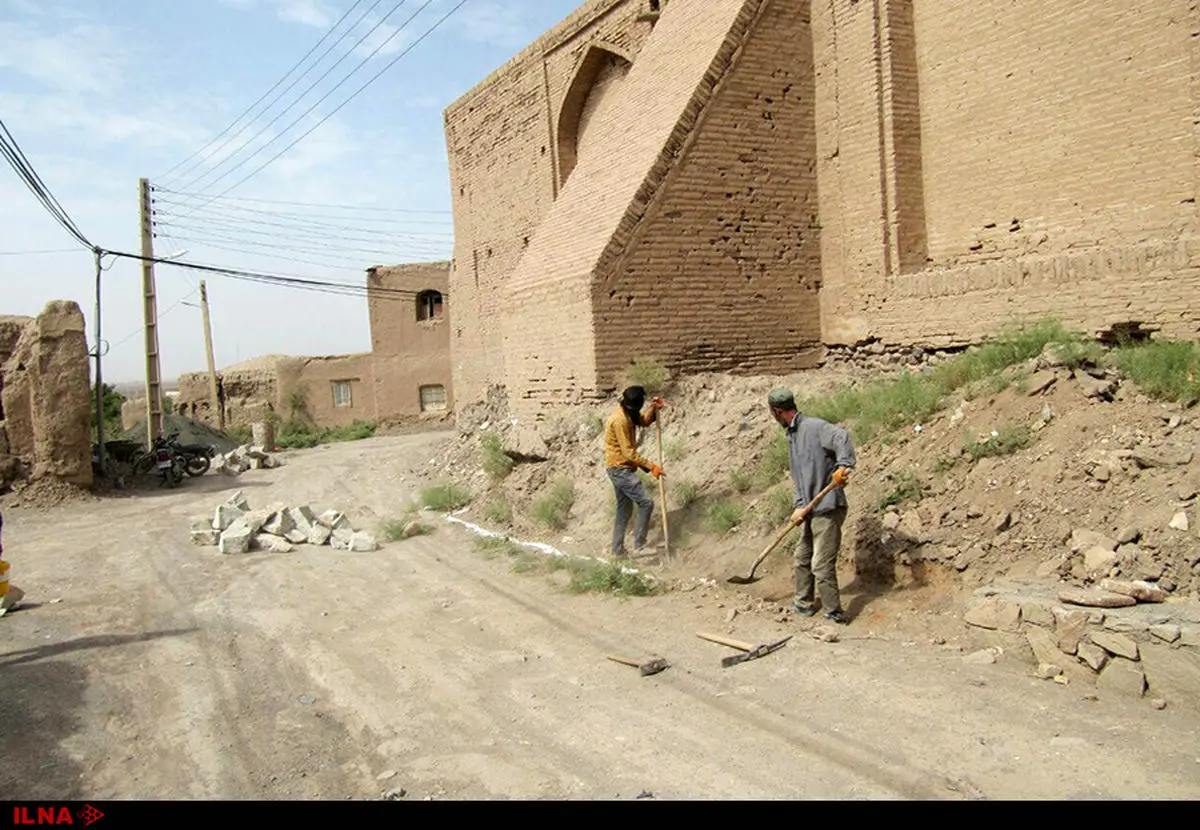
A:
101	93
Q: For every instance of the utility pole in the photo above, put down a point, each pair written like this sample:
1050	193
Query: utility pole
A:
212	364
99	378
154	414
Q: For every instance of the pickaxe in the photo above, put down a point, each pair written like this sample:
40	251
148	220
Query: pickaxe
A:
648	668
749	651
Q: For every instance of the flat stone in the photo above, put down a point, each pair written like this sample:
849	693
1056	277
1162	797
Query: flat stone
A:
1082	539
206	537
1049	568
226	515
994	614
1141	591
1123	678
236	538
1159	704
1044	645
1179	521
1093	598
1166	632
319	535
1069	628
1037	614
239	501
255	519
1039	382
1128	534
296	537
1098	560
1047	671
1163	458
302	517
1093	656
974	511
270	543
1185	491
1115	644
986	657
1126	625
1002	521
1173	674
1097	388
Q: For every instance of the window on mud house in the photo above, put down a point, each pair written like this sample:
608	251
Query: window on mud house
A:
429	305
341	393
433	398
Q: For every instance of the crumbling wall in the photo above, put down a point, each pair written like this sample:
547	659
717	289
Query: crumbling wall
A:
410	354
47	397
309	389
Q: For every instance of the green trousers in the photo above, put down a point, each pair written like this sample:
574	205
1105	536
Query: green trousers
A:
816	560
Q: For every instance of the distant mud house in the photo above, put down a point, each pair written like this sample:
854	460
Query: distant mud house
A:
405	376
736	184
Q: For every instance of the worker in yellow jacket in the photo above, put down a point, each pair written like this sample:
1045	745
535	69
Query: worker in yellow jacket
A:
622	462
10	594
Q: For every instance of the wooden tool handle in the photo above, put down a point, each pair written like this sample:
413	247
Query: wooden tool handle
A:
725	641
790	526
662	487
624	660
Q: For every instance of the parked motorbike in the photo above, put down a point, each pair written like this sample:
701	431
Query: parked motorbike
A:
197	458
168	461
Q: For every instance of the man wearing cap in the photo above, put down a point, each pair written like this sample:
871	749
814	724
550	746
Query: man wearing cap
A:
818	452
622	462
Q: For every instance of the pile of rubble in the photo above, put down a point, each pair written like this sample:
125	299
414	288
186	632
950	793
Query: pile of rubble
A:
235	528
245	458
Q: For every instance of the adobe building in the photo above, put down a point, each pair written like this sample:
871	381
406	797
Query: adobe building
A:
736	184
405	376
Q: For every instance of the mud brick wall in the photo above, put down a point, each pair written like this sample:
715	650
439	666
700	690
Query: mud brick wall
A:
313	379
723	271
980	163
408	353
503	146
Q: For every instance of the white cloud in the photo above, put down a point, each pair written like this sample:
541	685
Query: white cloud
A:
306	12
85	58
496	23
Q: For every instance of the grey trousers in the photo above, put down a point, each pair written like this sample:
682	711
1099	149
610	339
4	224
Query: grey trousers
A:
816	560
630	492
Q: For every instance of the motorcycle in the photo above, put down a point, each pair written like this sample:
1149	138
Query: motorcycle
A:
168	461
197	458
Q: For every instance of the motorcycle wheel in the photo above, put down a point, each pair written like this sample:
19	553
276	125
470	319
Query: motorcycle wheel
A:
143	464
198	466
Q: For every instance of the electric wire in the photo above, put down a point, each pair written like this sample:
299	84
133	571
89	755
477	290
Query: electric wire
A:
354	95
297	204
249	109
306	113
16	158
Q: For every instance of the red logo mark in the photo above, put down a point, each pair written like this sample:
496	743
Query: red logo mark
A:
90	815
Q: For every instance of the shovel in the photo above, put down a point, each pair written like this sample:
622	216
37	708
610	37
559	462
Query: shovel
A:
747	580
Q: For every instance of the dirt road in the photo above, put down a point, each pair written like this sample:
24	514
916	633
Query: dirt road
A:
149	668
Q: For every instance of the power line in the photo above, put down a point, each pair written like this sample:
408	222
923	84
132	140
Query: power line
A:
161	189
354	95
34	253
307	218
328	264
298	248
305	114
306	234
299	223
297	65
15	156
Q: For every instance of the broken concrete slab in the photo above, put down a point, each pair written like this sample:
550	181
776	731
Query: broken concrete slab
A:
226	515
1173	674
270	543
256	519
363	542
1093	656
280	523
994	614
1116	644
334	520
1123	678
341	539
1094	598
239	501
319	535
303	517
236	538
296	536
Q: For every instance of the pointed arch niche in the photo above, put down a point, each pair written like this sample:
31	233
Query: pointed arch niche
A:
598	77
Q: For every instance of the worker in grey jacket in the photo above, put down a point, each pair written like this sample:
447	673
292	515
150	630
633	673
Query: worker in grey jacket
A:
818	452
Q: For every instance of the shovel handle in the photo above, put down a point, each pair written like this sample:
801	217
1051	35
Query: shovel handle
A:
625	661
725	641
662	487
790	526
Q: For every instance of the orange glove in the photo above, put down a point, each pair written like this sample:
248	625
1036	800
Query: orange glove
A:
658	403
656	471
841	476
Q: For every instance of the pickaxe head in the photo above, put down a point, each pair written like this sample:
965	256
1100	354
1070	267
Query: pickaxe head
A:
755	653
653	667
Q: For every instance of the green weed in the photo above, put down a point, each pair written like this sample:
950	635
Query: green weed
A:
723	516
498	511
495	461
1168	370
589	576
445	497
553	509
686	493
1007	440
906	486
649	373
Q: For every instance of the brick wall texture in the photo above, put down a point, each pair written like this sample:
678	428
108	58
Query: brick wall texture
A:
733	184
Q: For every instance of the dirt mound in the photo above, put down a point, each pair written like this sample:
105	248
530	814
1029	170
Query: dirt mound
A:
190	432
1001	482
47	493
